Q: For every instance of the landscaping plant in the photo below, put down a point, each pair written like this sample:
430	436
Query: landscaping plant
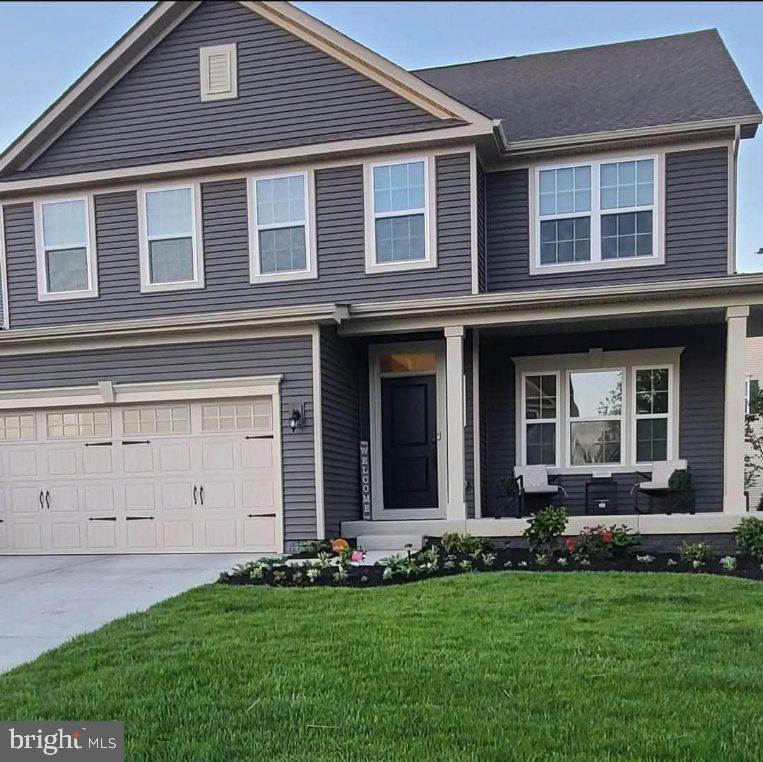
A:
749	537
464	544
696	555
546	529
599	542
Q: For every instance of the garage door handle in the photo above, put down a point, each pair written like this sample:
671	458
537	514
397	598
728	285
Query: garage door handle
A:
42	497
135	441
195	494
260	515
98	444
201	494
140	518
47	499
105	518
259	436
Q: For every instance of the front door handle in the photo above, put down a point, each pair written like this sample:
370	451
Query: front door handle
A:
195	493
47	499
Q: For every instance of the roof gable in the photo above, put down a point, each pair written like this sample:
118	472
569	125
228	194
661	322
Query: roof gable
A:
297	86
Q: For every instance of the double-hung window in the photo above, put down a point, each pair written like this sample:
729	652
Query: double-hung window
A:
66	259
281	237
399	217
597	214
597	413
171	249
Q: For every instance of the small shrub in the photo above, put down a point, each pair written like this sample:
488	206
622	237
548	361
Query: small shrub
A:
696	555
488	559
546	529
728	563
562	561
314	574
464	544
671	562
542	559
623	537
645	559
465	565
314	546
749	537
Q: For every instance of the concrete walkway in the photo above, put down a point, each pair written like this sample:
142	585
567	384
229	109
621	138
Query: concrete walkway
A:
46	600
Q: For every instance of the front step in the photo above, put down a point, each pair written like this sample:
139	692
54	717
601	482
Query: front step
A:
392	542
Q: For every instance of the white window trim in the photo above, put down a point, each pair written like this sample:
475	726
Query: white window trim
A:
204	55
430	216
146	286
557	421
91	292
311	271
671	415
597	263
596	359
568	420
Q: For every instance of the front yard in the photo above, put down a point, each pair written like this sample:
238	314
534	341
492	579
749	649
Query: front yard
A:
502	666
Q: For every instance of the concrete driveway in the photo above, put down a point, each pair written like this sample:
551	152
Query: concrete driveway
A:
46	600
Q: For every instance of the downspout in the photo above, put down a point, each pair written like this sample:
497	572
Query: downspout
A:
732	222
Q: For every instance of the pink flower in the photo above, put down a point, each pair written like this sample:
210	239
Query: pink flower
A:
570	543
357	556
606	536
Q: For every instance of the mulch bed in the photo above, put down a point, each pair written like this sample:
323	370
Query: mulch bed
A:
507	559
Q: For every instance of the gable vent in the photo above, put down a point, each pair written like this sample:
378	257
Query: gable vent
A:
218	70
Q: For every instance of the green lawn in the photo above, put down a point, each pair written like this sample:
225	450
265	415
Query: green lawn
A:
489	667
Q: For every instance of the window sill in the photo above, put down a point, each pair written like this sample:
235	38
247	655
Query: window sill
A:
609	264
151	288
282	277
396	267
66	296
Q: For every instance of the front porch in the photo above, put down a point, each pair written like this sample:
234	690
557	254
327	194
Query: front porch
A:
448	413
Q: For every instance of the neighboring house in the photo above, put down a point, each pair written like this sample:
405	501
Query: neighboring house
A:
753	383
242	244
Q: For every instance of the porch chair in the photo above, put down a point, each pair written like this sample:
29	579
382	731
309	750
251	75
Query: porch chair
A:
534	482
658	485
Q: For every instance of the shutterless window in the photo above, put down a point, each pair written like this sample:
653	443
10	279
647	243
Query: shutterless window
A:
597	212
399	212
66	246
170	236
652	389
595	416
281	225
540	418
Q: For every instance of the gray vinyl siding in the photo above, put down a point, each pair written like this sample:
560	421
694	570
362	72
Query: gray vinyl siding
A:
696	227
289	93
481	229
340	243
702	371
340	406
290	356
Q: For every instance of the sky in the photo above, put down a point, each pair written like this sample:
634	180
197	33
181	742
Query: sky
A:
44	47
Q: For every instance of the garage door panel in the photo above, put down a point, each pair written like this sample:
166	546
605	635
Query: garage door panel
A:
62	461
177	495
26	536
141	533
219	495
98	460
25	500
259	493
4	542
257	453
220	533
22	463
140	496
259	533
65	535
138	459
99	497
62	498
218	456
101	533
178	534
175	457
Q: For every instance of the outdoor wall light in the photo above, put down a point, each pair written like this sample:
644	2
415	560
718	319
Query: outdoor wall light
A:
297	417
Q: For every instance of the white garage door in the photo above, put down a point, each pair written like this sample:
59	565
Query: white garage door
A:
168	477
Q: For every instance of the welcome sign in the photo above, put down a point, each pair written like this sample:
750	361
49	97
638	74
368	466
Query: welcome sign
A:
365	480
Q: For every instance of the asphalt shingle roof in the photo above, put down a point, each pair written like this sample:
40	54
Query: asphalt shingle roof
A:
645	83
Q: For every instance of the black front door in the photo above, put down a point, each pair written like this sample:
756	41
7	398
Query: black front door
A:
409	442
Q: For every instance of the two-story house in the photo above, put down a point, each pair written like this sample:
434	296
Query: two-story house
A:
261	284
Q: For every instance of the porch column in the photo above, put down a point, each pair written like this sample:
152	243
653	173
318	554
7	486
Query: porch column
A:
454	365
733	428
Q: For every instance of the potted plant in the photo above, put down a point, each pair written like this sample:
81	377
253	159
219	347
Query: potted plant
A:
511	497
681	492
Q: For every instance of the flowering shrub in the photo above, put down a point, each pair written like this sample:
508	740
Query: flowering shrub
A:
696	555
546	529
592	544
749	537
